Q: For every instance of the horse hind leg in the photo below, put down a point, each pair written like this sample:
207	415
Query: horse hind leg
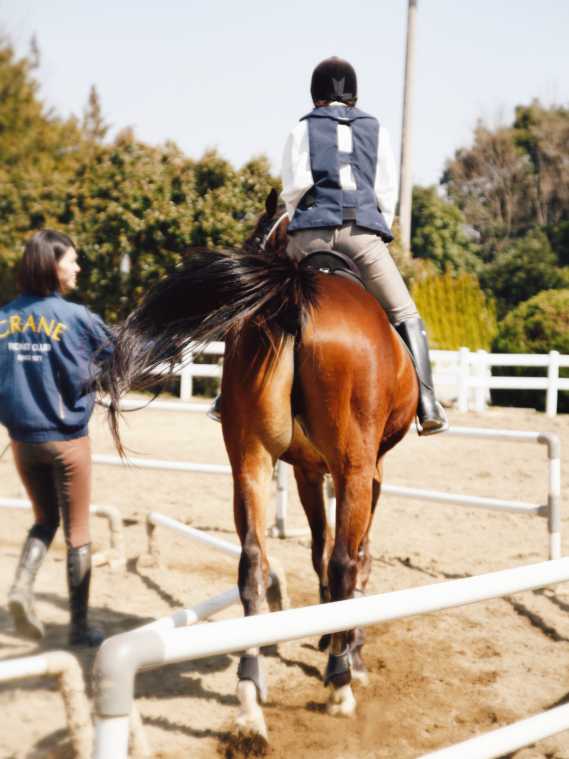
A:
310	482
252	478
354	497
359	670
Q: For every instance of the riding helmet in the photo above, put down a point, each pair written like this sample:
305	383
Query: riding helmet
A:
334	79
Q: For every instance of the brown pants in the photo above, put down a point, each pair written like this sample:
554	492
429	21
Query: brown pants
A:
370	253
57	478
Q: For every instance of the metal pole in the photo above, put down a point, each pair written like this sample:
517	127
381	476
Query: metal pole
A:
405	174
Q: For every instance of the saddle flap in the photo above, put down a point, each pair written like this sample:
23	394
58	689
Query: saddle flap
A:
332	262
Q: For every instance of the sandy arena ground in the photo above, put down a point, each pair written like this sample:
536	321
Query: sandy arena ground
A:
434	680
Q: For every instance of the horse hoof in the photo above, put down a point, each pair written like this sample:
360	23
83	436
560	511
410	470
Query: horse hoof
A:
341	702
250	720
361	677
359	671
324	642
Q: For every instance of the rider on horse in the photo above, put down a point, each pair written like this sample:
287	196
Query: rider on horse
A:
340	189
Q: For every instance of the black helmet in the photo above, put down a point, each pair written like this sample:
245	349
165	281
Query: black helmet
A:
334	79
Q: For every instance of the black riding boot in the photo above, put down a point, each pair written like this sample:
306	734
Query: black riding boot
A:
214	411
79	580
20	597
430	413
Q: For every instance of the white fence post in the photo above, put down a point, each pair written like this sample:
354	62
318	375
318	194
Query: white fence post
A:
463	375
552	384
187	379
481	372
186	384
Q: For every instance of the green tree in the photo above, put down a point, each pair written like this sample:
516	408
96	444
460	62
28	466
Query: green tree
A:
129	202
515	178
126	204
490	183
38	152
228	201
439	233
543	134
524	268
94	125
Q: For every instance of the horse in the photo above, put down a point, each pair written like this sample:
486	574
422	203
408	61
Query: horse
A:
313	375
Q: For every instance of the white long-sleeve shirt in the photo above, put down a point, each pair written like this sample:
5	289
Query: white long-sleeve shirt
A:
297	176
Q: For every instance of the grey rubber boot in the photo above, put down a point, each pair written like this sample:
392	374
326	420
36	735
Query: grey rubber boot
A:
20	597
431	415
79	581
214	411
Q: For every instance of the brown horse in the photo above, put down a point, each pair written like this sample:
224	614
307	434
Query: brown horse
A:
314	375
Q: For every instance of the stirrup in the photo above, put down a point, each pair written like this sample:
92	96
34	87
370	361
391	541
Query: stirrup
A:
433	426
213	414
214	411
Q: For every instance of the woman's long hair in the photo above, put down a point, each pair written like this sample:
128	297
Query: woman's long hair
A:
214	295
37	271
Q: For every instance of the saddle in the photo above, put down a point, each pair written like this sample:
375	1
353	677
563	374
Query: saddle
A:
332	262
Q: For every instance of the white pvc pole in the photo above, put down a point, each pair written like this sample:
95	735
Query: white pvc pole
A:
117	558
472	501
24	666
203	610
265	629
178	466
129	404
493	433
202	537
65	667
554	508
507	739
112	741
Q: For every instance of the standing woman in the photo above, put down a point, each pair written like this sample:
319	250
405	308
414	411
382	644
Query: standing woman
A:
48	348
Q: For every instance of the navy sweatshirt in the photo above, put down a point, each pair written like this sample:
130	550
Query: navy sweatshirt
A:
48	348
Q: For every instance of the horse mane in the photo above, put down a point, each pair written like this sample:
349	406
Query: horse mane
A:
212	296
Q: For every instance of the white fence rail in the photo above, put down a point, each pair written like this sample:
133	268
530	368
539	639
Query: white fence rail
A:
467	376
187	370
463	375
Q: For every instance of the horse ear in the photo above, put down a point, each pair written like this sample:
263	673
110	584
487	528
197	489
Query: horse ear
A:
271	203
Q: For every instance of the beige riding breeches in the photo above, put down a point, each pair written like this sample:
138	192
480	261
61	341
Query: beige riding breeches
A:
370	253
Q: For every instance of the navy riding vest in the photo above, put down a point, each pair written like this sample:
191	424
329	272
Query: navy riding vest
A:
326	204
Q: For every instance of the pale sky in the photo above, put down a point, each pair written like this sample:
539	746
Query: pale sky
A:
236	75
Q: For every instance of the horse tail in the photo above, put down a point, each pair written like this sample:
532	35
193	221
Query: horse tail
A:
213	296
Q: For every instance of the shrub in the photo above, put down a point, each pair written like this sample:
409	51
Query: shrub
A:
538	325
523	269
456	311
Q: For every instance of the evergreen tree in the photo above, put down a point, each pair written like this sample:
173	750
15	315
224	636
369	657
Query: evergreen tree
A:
439	233
94	126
